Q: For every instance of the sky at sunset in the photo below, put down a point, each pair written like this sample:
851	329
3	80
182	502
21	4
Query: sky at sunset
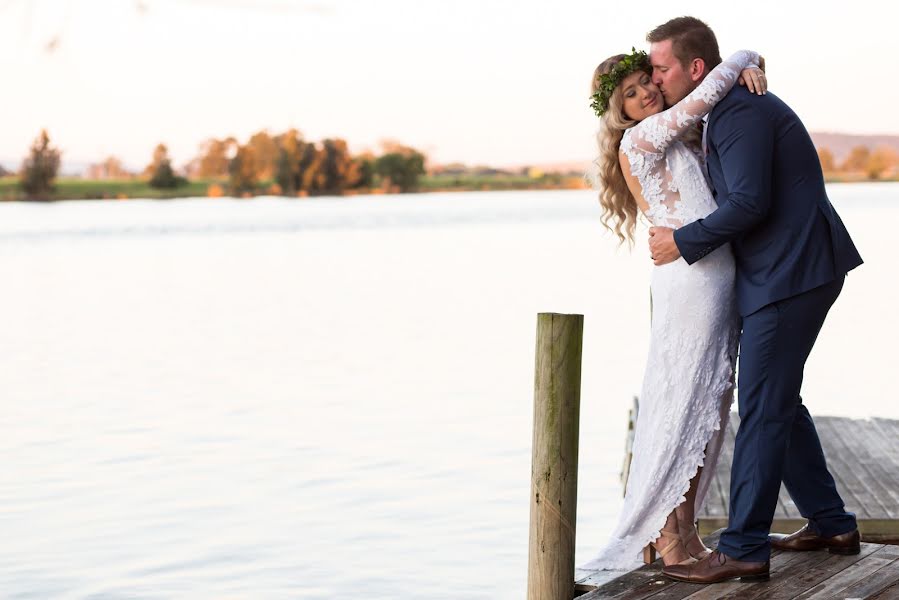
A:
479	81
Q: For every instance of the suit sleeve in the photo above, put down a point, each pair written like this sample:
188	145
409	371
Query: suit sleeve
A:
744	141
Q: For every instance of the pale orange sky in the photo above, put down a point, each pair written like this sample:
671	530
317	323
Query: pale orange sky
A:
480	81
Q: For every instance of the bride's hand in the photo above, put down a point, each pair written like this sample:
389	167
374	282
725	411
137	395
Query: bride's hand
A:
754	79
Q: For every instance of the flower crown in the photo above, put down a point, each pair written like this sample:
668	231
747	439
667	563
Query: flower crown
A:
609	81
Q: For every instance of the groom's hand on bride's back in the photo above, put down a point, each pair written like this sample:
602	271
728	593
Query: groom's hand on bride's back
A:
662	248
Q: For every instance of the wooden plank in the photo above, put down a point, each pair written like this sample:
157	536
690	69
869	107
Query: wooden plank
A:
786	509
885	528
838	470
657	588
851	456
879	470
875	450
806	575
783	564
862	457
709	524
875	583
852	575
801	581
891	593
790	510
862	460
788	525
874	573
625	583
677	591
586	580
887	431
856	494
885	446
642	582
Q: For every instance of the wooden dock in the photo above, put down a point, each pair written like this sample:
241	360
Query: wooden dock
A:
871	575
863	457
862	454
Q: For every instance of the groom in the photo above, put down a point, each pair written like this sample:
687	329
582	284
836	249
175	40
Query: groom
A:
792	254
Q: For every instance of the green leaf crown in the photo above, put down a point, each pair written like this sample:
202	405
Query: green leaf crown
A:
635	61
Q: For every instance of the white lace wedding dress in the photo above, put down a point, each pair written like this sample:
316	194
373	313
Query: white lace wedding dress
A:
688	383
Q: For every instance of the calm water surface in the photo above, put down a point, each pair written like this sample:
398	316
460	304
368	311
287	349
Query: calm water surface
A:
321	398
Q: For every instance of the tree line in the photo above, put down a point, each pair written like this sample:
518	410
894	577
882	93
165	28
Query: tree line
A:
878	163
289	165
283	164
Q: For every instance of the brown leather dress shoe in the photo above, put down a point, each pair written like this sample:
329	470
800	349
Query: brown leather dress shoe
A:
718	567
804	539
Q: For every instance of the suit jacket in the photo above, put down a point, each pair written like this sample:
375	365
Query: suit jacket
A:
767	181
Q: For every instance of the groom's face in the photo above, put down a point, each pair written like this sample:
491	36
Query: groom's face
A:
668	73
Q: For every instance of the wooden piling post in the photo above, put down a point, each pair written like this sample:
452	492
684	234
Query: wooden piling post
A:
557	395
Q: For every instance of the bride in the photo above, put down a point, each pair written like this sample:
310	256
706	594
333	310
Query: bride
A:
651	160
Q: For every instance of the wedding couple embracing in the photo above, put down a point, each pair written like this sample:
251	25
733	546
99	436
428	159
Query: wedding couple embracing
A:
749	255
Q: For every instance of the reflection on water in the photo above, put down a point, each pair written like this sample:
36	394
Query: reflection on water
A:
282	399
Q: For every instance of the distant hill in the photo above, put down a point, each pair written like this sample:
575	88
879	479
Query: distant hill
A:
841	143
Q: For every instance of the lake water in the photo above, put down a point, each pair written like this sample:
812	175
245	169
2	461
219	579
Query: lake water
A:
329	397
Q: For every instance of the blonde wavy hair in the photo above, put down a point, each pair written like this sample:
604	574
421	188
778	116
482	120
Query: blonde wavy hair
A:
619	208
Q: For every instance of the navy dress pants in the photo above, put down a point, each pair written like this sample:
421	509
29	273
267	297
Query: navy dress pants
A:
777	440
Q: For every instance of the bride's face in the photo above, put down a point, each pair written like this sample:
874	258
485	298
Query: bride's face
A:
641	96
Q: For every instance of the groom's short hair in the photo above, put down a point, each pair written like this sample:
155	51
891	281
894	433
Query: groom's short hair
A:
690	38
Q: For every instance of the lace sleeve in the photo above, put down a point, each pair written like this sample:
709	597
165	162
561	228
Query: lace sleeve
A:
654	134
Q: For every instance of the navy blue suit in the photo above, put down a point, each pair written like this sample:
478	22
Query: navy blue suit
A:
792	253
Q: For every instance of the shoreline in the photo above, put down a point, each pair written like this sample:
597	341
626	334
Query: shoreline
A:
68	189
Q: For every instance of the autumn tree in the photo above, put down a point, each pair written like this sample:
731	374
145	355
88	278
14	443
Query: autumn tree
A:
215	157
110	168
309	166
243	170
160	171
265	153
880	161
857	159
40	168
113	168
338	170
827	162
287	169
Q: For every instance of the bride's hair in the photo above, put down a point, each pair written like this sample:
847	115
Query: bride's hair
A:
619	209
